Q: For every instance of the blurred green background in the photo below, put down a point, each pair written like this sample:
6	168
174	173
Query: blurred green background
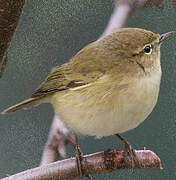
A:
49	33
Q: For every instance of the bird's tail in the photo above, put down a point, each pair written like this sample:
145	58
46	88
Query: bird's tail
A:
34	101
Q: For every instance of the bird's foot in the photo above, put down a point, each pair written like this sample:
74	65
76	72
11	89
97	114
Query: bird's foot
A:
130	156
79	161
131	159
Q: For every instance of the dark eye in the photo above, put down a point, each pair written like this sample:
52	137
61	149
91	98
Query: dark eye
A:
148	49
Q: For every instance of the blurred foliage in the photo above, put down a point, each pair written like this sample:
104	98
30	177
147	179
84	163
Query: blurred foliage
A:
49	34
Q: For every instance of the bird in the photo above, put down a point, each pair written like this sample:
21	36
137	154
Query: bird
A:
109	87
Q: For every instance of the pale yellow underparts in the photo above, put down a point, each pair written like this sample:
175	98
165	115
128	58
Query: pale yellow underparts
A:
101	110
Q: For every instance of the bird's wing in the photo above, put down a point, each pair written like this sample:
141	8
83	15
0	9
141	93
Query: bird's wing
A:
88	66
65	77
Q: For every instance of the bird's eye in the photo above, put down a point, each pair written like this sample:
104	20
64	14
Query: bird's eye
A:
148	49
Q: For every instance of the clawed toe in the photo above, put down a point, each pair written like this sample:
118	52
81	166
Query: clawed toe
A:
130	156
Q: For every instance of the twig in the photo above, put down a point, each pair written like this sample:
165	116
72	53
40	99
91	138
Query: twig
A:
10	12
98	163
122	11
59	137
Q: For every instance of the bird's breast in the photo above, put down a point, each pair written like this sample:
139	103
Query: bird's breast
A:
104	111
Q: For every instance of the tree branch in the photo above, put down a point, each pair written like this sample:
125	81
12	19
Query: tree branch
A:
98	163
122	11
10	12
55	147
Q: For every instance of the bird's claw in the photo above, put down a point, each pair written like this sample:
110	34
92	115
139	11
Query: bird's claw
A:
131	159
130	156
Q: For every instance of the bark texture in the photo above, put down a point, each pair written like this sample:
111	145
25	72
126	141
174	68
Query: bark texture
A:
10	12
98	163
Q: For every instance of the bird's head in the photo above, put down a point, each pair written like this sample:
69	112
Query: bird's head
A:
137	45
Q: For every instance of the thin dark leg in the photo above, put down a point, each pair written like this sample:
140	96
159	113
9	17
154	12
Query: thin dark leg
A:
79	159
129	153
126	144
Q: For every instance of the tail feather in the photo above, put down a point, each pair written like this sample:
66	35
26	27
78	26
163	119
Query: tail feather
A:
23	105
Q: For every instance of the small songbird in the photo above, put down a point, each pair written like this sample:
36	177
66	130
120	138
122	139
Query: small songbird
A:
108	87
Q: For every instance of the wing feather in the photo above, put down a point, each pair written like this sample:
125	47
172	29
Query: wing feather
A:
88	65
63	78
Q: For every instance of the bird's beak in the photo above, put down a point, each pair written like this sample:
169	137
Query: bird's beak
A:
166	35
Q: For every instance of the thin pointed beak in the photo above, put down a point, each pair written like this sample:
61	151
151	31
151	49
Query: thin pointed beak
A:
166	35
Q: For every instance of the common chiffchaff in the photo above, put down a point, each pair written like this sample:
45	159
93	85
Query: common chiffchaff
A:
108	87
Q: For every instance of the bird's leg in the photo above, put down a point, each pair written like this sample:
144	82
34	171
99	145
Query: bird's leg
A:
129	153
79	159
